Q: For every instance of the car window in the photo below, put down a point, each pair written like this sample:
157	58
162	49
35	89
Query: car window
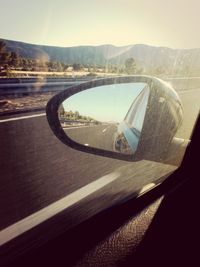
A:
133	118
49	46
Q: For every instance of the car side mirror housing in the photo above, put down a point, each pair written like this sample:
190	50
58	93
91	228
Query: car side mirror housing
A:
129	117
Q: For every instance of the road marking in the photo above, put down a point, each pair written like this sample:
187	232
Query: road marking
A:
104	130
76	127
44	214
23	118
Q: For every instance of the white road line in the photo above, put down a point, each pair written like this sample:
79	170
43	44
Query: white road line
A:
23	117
104	130
42	215
75	127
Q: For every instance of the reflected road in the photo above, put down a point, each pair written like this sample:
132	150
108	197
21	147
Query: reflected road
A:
97	136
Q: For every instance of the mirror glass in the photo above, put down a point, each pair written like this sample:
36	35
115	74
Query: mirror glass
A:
108	117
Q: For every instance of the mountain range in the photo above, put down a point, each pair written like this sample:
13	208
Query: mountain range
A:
146	56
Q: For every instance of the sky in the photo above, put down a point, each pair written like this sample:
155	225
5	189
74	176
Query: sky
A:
170	23
109	103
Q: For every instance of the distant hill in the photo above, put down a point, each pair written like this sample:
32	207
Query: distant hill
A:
147	57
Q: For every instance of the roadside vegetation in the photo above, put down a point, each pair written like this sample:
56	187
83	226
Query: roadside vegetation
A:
75	116
13	65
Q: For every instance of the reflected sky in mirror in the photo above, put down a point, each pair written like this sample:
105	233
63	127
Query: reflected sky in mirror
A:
109	103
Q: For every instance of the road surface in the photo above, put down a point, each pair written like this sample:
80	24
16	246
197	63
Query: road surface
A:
37	170
97	136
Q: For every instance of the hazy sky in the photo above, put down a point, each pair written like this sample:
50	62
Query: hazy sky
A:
105	103
172	23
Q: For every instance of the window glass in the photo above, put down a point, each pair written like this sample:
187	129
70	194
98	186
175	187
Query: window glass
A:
48	46
133	118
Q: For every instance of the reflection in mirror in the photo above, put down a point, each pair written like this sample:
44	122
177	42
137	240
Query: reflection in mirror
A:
108	117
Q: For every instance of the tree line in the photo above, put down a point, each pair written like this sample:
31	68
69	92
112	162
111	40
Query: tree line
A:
12	61
75	116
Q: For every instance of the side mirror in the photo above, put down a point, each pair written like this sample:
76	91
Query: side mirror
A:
128	118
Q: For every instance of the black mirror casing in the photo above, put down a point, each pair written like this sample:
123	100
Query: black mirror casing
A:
162	119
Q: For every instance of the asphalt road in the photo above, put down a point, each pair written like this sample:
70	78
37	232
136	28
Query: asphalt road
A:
37	170
98	136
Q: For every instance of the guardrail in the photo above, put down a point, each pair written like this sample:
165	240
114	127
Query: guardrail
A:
35	85
35	88
41	79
